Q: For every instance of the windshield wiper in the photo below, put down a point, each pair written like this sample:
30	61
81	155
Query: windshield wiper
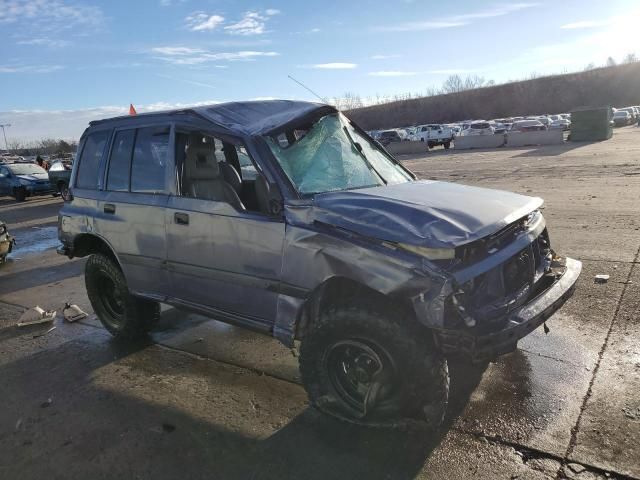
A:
358	147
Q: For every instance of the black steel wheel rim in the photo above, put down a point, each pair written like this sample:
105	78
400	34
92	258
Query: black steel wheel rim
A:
363	375
111	299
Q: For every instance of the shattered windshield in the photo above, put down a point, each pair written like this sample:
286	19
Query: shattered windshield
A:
332	155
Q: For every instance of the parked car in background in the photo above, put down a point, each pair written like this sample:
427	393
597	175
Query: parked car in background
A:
6	242
435	134
622	118
631	110
544	120
389	136
527	126
22	180
560	123
498	127
59	175
479	127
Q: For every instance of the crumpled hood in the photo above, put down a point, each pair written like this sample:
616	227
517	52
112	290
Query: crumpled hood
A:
425	213
34	177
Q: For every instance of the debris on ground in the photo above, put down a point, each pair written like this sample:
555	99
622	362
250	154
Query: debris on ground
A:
36	316
45	333
633	414
576	467
73	313
601	278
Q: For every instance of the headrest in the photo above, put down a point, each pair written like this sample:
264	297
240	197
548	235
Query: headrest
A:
200	160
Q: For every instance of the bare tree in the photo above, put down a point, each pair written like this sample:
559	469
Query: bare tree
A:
630	58
14	145
611	62
453	84
590	66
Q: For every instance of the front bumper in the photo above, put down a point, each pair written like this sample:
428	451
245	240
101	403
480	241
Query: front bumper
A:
39	189
520	323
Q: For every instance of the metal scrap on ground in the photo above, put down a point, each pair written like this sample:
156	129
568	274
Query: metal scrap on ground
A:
36	316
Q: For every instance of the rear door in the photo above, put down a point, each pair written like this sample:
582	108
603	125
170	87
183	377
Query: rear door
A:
131	210
222	258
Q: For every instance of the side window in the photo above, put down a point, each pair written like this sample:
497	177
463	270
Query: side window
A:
150	158
87	176
120	161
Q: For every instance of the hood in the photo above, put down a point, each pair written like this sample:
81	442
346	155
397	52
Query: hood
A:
424	213
34	177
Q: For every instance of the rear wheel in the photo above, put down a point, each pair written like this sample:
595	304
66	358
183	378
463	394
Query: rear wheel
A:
447	145
362	365
122	314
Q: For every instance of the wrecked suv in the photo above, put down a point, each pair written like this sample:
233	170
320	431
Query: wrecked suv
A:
286	218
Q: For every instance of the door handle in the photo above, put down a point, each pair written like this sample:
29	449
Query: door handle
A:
181	218
109	208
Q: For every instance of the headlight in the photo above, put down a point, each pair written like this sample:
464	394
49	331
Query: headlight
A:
430	253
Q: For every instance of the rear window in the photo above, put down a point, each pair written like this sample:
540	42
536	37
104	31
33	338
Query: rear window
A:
87	176
478	126
150	158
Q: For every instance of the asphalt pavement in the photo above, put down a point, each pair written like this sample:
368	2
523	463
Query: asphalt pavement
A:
202	399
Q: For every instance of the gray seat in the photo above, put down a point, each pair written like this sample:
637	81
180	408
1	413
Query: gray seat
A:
202	177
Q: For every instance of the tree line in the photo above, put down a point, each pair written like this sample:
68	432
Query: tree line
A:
45	146
616	85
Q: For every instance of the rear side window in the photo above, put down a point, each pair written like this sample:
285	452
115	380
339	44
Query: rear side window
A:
150	157
120	161
87	176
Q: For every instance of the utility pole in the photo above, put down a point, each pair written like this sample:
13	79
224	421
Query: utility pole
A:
2	126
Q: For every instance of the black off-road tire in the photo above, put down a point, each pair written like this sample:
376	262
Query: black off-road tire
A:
20	194
447	145
126	317
422	374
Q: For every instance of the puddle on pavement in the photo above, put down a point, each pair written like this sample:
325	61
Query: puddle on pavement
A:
35	240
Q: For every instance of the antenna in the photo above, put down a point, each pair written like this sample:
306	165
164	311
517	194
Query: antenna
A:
323	100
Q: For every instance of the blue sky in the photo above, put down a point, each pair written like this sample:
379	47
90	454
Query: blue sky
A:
64	61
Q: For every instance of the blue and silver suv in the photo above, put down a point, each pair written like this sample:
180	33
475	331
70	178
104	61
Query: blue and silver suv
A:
286	218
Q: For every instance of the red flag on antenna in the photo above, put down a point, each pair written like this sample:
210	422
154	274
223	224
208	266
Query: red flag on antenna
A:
132	110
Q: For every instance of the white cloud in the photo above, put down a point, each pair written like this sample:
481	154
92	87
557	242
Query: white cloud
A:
197	56
30	68
168	3
45	42
582	24
29	125
457	20
385	57
252	23
177	51
392	73
200	21
272	11
335	66
451	71
49	15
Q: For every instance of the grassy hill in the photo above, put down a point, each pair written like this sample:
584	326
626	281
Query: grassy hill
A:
616	86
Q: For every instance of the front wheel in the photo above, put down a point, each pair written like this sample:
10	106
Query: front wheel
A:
363	365
122	314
